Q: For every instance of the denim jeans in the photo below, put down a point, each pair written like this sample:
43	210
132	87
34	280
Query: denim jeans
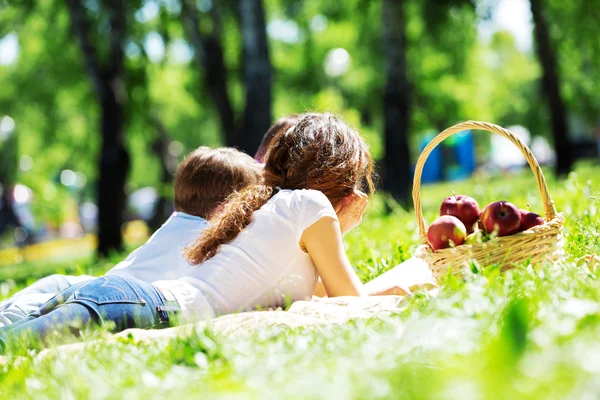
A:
127	302
30	299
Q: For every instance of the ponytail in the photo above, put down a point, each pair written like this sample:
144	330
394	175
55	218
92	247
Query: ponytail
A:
228	224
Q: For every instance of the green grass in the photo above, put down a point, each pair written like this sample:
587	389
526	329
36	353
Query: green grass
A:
530	333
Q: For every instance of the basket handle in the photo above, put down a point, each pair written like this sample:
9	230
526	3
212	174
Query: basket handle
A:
549	210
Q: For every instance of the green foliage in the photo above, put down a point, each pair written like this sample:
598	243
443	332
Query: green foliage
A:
454	76
572	24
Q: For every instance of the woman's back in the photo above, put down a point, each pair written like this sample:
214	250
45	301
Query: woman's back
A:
264	265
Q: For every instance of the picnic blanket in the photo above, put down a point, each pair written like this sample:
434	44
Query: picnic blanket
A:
409	276
314	313
311	314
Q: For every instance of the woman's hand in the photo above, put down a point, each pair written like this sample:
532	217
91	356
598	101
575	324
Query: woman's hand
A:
351	209
393	291
413	274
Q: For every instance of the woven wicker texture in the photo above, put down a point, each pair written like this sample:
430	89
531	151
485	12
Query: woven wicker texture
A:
537	244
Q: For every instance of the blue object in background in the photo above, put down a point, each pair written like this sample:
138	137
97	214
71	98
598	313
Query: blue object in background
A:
432	170
453	159
463	149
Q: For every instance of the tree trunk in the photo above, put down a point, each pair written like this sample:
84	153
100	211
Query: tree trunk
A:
208	55
168	166
257	75
7	215
397	101
551	89
114	168
8	168
109	86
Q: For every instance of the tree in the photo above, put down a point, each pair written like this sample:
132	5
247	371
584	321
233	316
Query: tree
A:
208	53
577	52
109	85
397	102
8	166
551	88
168	166
257	74
439	61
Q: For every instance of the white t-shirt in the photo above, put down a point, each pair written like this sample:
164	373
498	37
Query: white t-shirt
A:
262	267
161	256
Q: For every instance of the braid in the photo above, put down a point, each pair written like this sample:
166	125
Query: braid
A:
228	224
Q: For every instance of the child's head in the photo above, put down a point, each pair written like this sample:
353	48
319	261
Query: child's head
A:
206	178
319	152
282	125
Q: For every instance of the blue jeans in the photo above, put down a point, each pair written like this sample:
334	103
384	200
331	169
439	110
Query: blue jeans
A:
30	299
127	302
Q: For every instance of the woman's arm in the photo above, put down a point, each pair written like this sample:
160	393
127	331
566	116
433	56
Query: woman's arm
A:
323	242
320	289
400	281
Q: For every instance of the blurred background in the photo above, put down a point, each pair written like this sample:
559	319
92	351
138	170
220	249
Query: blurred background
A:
100	100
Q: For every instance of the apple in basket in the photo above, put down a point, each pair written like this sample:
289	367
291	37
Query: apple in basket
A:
501	217
446	231
462	207
529	220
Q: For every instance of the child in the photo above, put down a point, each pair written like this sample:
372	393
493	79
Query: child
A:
203	181
268	247
282	125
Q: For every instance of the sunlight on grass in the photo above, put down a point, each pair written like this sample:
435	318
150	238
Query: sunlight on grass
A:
530	333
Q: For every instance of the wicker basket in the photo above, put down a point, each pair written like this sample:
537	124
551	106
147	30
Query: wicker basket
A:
540	243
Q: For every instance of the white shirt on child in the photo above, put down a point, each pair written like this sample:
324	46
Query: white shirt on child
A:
161	256
262	267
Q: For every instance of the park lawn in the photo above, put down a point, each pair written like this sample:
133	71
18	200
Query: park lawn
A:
529	333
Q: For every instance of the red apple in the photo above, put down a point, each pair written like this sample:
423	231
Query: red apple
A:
462	207
501	217
529	220
444	230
